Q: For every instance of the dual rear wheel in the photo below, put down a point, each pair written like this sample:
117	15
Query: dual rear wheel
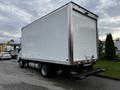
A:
46	70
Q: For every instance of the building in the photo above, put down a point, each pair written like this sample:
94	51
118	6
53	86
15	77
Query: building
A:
4	47
117	45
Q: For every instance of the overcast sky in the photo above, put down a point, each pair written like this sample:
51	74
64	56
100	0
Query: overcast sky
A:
14	14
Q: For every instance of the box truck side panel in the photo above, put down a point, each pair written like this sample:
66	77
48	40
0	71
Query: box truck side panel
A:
84	37
47	38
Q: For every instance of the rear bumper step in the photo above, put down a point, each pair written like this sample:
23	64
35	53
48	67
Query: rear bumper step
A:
88	73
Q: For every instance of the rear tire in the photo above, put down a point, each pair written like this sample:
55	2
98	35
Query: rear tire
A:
47	70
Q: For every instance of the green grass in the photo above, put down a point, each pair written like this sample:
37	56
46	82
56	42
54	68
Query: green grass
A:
118	55
112	68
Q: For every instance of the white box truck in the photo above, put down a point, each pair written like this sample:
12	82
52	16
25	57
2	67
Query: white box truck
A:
66	39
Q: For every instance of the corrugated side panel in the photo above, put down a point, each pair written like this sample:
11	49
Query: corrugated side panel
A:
47	38
84	37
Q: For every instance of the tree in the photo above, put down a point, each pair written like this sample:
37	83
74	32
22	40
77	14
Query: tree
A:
109	47
10	42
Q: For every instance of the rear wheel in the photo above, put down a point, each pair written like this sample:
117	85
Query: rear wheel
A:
47	70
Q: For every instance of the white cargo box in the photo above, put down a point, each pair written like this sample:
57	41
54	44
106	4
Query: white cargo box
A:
67	36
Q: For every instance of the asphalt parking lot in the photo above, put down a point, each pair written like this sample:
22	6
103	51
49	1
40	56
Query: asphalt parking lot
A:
14	78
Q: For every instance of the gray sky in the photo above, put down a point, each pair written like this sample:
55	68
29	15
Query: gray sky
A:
14	14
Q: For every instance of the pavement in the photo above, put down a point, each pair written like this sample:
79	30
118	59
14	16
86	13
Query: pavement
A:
14	78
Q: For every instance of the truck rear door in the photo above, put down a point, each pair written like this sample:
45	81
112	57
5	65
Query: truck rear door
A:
84	37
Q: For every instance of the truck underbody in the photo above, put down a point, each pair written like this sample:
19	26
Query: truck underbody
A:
79	71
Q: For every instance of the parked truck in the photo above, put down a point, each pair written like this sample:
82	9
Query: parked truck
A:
65	39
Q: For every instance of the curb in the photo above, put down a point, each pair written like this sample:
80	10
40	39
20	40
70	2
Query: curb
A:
107	77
